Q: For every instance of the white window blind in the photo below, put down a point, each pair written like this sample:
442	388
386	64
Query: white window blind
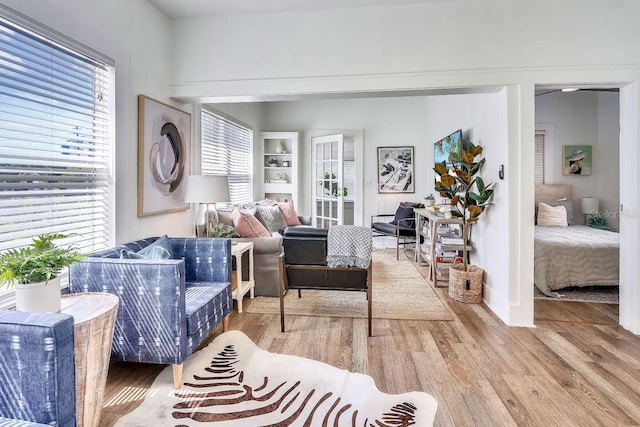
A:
55	141
539	168
226	150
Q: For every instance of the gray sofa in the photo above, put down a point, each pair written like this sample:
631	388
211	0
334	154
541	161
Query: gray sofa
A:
266	250
266	259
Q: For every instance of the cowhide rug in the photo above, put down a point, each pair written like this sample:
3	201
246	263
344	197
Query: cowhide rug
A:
234	383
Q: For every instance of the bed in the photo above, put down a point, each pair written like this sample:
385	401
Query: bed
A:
576	255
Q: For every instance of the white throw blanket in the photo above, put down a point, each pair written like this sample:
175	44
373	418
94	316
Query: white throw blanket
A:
349	246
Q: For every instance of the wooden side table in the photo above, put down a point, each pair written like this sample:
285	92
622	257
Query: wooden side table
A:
244	286
94	317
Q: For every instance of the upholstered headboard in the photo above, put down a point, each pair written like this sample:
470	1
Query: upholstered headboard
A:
552	192
556	194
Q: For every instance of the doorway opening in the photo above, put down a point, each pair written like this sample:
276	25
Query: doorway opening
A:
577	174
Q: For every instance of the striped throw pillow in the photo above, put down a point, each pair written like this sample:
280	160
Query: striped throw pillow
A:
552	216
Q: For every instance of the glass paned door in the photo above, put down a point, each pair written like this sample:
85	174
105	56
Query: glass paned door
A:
328	188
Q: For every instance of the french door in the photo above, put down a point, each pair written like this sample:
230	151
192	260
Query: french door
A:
328	186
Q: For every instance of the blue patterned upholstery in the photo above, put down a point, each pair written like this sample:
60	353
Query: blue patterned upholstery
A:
159	321
37	369
6	422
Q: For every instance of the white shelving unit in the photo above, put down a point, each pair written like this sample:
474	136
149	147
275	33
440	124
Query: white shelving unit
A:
428	226
280	165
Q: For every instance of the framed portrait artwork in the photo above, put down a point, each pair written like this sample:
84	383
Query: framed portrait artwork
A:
576	159
164	138
395	170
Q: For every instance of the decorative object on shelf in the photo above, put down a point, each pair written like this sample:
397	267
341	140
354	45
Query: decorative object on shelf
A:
469	198
34	271
280	178
395	170
429	200
206	190
285	163
279	149
576	160
164	138
272	162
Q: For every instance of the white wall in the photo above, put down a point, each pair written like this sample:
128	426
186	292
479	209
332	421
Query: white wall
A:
138	37
482	38
585	118
483	120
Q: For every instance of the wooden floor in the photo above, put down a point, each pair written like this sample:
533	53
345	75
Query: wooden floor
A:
576	368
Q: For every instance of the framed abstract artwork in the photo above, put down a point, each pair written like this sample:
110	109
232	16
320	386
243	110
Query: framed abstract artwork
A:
164	138
576	160
395	170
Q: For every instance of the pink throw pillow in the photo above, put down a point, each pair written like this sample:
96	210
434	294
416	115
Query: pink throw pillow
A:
289	213
248	225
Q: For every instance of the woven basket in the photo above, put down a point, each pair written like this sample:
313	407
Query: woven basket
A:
465	286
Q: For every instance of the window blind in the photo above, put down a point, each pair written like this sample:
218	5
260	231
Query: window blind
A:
226	150
55	142
539	167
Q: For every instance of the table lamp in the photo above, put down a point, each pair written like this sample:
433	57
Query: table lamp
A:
206	190
589	207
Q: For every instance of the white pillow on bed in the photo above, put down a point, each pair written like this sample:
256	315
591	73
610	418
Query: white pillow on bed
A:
568	205
552	216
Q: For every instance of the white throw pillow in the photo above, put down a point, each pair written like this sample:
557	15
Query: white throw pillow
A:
552	216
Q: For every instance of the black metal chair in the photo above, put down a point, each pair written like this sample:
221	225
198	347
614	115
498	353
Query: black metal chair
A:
403	226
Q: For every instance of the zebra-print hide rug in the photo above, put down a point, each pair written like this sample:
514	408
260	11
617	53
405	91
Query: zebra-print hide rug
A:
234	383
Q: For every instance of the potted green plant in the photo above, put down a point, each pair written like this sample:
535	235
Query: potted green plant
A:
429	200
34	271
469	197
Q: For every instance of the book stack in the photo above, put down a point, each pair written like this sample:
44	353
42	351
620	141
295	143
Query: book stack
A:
451	240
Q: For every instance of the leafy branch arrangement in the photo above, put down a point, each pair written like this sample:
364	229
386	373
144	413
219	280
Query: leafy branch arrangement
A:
41	261
468	194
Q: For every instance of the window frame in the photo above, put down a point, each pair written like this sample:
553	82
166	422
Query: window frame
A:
64	47
207	170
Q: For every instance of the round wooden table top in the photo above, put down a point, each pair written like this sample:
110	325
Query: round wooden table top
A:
87	305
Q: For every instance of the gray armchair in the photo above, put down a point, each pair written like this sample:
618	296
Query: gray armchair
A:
167	306
37	367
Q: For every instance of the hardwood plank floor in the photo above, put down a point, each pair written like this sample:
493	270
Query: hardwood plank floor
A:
576	368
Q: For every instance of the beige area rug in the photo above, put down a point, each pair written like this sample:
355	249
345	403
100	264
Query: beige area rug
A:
233	383
399	292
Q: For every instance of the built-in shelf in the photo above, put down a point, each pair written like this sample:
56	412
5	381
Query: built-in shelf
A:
279	147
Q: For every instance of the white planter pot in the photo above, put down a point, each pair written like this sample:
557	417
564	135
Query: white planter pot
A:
429	202
39	297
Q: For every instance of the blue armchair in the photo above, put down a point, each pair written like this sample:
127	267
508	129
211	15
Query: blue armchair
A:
37	369
167	306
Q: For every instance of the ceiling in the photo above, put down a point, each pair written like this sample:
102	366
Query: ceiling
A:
194	8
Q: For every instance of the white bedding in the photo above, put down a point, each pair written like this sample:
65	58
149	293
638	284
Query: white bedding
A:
575	256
